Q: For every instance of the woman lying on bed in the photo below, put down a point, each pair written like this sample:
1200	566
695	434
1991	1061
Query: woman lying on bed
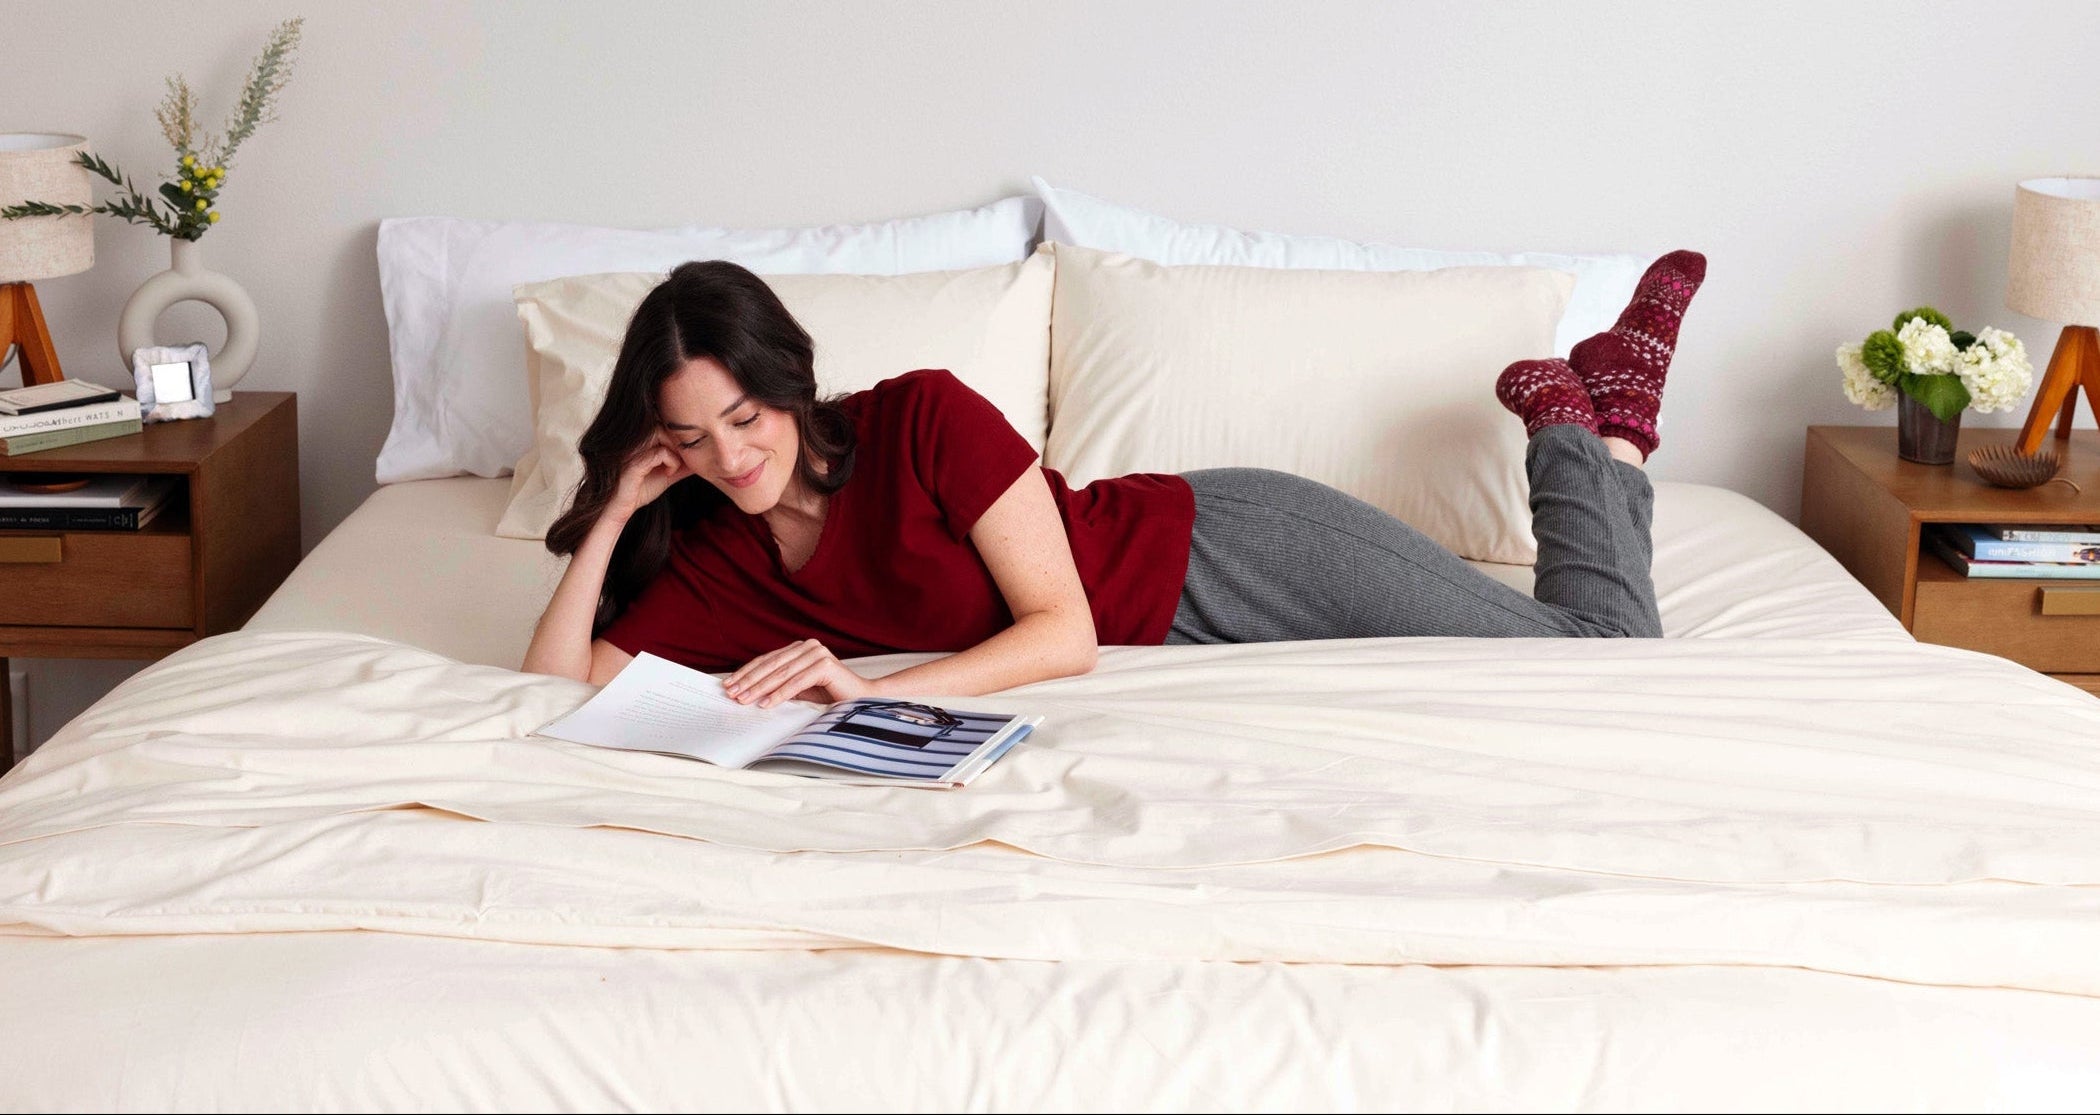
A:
730	520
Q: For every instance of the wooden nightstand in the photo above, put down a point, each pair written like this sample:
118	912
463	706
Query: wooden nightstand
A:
1869	508
225	541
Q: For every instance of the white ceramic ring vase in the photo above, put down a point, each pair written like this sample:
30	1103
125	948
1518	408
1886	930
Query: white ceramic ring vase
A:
189	281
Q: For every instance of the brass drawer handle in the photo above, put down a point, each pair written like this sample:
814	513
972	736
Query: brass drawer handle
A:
45	550
2071	601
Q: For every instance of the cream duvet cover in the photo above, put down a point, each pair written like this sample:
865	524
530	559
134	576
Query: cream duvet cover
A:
1226	827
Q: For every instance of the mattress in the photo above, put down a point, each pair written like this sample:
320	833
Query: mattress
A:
421	563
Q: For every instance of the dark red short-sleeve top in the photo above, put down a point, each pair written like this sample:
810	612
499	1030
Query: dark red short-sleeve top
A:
894	569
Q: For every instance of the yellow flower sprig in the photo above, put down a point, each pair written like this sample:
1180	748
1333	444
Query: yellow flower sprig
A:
196	190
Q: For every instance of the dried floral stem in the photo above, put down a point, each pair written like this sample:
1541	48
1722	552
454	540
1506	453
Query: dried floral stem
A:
178	115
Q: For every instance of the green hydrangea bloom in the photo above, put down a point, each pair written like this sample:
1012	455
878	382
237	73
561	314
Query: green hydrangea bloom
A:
1882	353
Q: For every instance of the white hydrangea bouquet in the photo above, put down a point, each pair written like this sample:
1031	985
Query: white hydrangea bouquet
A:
1945	369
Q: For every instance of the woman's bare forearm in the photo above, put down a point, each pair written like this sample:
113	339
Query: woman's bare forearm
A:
561	642
1037	647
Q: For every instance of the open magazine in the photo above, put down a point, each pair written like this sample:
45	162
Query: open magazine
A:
657	705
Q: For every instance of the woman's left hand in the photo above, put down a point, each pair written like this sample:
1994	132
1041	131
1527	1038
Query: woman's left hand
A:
806	671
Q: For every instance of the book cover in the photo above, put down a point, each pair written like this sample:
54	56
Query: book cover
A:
58	439
2085	534
119	410
1981	544
2010	570
62	395
659	706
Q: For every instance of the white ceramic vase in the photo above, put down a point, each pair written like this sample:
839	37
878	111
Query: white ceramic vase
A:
189	281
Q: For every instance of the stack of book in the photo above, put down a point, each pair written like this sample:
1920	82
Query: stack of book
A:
103	503
68	412
2059	553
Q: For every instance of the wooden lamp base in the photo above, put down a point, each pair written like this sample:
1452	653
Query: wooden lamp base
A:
22	324
2074	364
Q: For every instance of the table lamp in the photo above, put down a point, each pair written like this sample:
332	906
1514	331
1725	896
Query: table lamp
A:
39	166
2054	275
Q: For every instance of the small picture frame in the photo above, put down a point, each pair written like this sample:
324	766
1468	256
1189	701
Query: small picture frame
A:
173	381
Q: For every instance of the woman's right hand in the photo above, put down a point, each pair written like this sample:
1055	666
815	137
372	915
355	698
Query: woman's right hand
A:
648	474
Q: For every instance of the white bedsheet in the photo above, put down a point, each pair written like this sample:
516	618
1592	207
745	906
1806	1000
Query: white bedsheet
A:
420	563
1712	818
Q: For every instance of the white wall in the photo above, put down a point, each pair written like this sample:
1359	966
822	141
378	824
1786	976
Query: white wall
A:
1836	161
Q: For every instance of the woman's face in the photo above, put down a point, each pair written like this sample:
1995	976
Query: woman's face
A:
740	445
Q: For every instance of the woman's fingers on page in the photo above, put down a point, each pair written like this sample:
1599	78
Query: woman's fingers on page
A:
740	678
826	681
738	684
811	667
814	667
753	669
762	675
802	678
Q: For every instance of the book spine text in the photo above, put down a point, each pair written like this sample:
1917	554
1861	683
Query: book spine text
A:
70	518
46	421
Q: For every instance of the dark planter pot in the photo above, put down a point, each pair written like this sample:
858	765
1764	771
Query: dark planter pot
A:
1921	436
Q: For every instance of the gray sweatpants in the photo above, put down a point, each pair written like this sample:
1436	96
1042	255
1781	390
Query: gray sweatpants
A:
1276	557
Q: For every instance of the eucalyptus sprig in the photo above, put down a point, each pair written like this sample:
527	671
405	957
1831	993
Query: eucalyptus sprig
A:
184	208
131	205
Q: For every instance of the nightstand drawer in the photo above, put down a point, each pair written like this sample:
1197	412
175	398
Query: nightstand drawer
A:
2052	627
102	579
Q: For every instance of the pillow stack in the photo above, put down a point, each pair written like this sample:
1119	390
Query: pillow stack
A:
1129	342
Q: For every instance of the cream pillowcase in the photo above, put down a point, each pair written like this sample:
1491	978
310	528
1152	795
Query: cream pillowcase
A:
1378	383
990	326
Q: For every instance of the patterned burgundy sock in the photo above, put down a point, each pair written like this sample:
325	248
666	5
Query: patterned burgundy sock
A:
1545	393
1624	367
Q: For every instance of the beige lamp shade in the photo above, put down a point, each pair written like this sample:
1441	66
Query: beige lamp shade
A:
2054	272
38	166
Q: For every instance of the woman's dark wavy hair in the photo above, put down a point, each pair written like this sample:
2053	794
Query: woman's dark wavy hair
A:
714	309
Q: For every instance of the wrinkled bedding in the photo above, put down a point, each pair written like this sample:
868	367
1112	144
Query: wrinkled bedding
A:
332	870
1850	808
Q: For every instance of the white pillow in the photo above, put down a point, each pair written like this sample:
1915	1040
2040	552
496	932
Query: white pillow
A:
990	326
1378	383
460	398
1603	283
